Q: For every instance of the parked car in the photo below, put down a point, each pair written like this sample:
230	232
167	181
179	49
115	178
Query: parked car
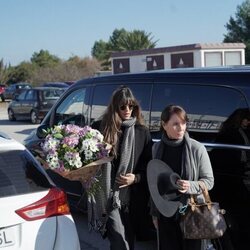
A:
33	104
209	95
35	214
55	84
2	89
15	89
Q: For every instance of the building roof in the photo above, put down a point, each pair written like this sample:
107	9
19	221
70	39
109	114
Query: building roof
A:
179	48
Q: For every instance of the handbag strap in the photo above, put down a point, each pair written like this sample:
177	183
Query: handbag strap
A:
205	193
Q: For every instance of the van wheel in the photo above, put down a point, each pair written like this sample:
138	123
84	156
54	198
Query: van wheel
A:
33	117
11	115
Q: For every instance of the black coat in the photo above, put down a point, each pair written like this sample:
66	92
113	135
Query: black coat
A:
139	198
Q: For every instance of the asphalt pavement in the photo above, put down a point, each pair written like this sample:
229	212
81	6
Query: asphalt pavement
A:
91	240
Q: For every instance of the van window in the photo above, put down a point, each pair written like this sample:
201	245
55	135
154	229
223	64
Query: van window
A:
72	110
207	106
102	96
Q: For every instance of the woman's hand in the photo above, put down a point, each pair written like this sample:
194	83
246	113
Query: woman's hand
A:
184	185
125	180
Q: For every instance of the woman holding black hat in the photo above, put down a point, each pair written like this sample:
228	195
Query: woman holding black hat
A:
186	158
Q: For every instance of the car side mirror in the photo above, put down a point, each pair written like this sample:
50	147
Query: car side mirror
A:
41	131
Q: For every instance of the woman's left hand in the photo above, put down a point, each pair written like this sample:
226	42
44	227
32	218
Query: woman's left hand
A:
125	180
184	185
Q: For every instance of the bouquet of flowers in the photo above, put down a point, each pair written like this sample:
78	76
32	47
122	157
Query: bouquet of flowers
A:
75	152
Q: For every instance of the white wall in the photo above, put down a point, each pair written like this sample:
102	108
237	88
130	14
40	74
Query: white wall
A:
138	63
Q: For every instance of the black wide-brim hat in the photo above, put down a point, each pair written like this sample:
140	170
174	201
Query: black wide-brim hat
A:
163	188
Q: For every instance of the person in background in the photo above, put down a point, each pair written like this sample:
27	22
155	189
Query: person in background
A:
124	182
189	159
235	130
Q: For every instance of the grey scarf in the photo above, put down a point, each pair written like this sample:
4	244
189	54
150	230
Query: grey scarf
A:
121	196
187	155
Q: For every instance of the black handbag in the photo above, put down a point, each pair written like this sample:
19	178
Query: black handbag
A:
202	220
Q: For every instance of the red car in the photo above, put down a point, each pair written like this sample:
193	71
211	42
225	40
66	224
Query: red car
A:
2	89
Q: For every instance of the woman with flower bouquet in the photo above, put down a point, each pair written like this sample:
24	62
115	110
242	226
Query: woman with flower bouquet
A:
121	203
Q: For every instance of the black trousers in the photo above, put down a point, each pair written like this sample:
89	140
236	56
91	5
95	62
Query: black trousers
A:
120	231
170	236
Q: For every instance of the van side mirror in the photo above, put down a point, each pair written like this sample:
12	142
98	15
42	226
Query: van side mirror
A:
41	131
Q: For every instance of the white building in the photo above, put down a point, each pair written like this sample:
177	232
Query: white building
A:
191	55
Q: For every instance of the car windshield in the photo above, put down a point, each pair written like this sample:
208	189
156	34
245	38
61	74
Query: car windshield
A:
52	94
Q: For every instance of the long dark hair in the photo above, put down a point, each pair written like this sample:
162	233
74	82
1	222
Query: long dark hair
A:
111	121
235	119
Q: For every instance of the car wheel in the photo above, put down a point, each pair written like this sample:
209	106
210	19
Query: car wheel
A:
33	117
11	115
2	98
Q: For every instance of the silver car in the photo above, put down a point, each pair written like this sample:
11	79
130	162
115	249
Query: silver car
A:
34	213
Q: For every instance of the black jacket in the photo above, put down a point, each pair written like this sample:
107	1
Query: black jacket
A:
139	198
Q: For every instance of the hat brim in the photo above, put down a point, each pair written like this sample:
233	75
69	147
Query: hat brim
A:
167	206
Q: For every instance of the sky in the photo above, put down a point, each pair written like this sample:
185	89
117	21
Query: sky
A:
69	28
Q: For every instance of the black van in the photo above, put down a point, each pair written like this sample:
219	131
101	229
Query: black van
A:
212	97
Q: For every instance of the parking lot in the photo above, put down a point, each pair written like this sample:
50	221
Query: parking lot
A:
88	240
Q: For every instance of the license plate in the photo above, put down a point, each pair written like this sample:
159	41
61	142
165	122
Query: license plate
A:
7	237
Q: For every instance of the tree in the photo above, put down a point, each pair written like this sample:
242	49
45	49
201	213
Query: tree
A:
4	72
73	69
239	27
44	59
115	39
21	73
101	52
135	40
122	40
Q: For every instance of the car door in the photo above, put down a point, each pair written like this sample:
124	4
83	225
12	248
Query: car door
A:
28	102
16	104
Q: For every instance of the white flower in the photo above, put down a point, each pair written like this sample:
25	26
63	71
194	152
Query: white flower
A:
53	161
99	137
88	154
92	146
78	162
50	144
85	145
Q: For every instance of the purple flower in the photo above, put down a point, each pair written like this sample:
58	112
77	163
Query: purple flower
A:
71	141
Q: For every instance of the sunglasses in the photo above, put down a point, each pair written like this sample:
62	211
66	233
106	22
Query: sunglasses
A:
124	107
